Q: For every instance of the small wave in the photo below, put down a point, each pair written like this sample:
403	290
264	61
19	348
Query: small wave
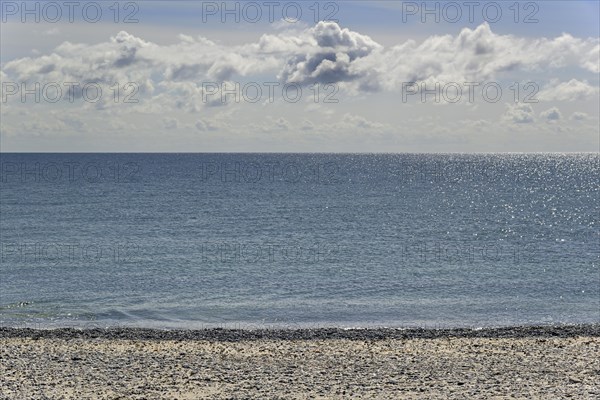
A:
20	304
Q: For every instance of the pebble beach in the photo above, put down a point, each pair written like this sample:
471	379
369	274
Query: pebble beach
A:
496	363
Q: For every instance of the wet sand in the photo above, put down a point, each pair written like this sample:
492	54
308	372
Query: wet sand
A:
519	362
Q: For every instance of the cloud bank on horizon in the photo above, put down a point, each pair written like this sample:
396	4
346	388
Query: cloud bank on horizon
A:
324	87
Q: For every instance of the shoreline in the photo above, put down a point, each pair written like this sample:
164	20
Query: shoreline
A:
494	363
234	335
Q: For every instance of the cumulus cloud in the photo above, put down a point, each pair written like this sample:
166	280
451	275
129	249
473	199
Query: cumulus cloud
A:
353	121
568	91
282	124
592	60
272	125
171	75
579	116
127	58
204	125
520	113
477	55
100	63
307	125
551	115
331	57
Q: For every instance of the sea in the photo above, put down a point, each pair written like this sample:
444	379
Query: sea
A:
260	241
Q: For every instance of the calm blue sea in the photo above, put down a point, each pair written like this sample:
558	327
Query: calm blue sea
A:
290	240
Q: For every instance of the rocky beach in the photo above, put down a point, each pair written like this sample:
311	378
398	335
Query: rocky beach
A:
129	363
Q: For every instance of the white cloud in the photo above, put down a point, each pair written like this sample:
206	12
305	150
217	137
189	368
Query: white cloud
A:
284	25
551	115
323	53
282	124
476	55
568	91
360	122
170	123
592	60
520	113
170	78
205	125
579	116
271	125
307	125
331	56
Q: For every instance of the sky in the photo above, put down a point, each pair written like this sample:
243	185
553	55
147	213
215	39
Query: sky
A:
270	76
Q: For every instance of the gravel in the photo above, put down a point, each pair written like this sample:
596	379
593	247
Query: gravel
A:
496	363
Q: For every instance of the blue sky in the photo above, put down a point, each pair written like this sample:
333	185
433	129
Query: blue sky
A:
576	17
374	62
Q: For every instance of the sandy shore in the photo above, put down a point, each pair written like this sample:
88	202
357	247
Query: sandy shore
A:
547	362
